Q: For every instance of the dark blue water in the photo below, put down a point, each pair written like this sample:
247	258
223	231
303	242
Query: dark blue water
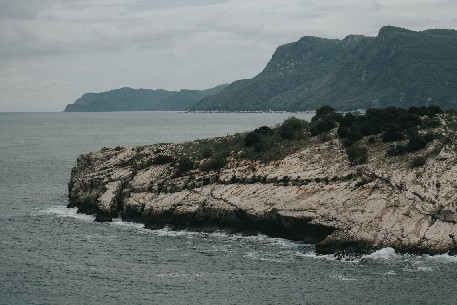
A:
51	255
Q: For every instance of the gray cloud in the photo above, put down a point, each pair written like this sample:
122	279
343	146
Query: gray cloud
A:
52	51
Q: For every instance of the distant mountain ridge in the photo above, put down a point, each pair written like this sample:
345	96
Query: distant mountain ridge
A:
399	67
128	99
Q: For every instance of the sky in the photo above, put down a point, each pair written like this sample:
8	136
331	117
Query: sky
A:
53	51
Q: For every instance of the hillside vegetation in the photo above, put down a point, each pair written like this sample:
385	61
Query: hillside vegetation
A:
128	99
399	68
389	133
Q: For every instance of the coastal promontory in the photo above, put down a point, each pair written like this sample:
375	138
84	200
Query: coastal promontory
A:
129	99
344	182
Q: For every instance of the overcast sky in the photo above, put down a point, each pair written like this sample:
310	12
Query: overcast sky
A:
53	51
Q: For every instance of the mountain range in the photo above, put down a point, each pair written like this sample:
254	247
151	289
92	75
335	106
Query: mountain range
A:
399	67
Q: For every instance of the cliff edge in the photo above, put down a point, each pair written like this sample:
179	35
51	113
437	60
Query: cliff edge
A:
311	182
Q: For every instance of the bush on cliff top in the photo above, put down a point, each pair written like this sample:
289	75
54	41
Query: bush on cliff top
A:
267	144
263	144
292	128
213	164
357	154
162	159
394	124
184	165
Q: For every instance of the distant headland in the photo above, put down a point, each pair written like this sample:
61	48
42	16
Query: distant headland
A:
398	67
129	99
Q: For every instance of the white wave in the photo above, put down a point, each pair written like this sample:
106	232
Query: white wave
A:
341	277
425	269
383	254
167	232
256	256
329	257
62	211
127	224
263	239
283	243
442	258
221	235
179	275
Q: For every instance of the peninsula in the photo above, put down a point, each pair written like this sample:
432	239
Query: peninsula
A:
348	183
129	99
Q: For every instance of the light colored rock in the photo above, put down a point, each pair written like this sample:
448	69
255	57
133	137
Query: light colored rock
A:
384	203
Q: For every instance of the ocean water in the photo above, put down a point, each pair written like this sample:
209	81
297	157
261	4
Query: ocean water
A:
51	255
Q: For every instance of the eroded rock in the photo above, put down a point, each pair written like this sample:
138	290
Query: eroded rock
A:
313	195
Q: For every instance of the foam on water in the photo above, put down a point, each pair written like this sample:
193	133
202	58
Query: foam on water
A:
180	275
127	224
383	254
442	258
221	235
341	277
312	254
424	269
257	256
62	211
167	232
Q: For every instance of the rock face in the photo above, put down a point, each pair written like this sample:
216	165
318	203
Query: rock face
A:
313	195
399	67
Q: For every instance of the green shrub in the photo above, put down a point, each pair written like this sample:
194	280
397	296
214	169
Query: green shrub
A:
431	110
206	152
350	134
213	164
393	134
184	165
252	139
357	154
372	140
416	141
430	123
292	128
396	150
264	130
429	137
162	159
418	162
324	111
322	125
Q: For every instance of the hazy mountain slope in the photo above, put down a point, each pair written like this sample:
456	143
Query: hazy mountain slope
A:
398	67
128	99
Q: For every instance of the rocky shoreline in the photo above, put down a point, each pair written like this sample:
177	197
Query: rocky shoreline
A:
313	194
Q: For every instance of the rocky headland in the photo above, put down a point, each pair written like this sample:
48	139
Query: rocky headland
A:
346	183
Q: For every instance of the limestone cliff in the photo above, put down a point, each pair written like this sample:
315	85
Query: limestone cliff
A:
313	194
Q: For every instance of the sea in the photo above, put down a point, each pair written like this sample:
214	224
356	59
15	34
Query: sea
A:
50	255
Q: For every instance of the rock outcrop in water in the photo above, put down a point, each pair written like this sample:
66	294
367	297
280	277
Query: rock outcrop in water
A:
314	193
